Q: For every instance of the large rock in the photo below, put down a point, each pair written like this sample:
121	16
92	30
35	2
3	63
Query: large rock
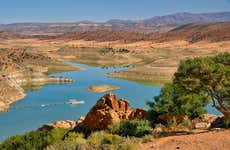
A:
207	121
107	110
65	124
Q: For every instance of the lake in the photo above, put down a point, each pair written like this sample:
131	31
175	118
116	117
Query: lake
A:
19	120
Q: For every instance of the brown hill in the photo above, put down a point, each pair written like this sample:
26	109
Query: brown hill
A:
16	59
152	25
105	35
194	32
10	35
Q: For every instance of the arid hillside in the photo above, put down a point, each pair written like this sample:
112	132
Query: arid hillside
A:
10	35
20	69
105	35
194	32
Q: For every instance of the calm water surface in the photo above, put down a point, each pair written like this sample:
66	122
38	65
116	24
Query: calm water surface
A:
20	120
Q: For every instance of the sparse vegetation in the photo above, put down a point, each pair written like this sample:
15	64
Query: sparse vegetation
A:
136	128
33	140
54	140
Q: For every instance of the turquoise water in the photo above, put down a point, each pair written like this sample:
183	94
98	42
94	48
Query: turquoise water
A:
21	120
18	121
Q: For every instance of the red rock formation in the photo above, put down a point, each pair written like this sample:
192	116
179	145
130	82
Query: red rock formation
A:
107	110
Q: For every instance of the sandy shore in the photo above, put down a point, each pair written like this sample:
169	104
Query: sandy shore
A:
102	88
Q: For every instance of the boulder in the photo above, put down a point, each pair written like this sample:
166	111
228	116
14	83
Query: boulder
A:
67	124
207	121
108	110
137	114
202	125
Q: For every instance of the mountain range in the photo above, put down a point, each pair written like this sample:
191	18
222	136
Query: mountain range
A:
152	25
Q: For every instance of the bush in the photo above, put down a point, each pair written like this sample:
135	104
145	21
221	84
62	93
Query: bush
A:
102	137
137	128
33	140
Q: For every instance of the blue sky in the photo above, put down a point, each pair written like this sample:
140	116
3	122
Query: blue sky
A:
100	10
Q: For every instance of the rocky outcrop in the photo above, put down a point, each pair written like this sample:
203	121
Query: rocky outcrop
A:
65	124
107	110
10	92
207	121
20	68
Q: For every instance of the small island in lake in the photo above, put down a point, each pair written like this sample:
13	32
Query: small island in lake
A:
102	88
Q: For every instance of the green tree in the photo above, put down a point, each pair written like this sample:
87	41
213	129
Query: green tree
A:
173	101
136	127
196	82
208	76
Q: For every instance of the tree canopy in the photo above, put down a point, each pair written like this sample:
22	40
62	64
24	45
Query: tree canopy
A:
196	82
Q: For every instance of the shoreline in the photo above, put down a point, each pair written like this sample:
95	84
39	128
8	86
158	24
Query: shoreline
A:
15	85
20	94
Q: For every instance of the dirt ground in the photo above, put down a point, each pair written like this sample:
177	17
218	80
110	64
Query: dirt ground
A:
213	140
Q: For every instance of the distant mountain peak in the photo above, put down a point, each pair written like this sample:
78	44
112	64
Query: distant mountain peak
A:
154	24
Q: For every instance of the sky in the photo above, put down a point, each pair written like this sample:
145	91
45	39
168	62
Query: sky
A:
12	11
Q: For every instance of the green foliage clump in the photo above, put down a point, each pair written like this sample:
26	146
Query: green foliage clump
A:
196	82
136	128
105	140
209	76
174	101
58	139
102	137
73	141
33	140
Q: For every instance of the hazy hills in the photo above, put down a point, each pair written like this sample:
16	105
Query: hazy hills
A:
193	32
155	24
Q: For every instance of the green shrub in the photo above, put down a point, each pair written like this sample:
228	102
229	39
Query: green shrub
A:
226	123
102	137
75	137
137	128
62	146
187	123
33	140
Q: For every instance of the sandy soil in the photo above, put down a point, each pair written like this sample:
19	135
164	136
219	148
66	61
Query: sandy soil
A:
213	140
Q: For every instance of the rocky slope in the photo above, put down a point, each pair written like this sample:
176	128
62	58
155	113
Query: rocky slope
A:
19	68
